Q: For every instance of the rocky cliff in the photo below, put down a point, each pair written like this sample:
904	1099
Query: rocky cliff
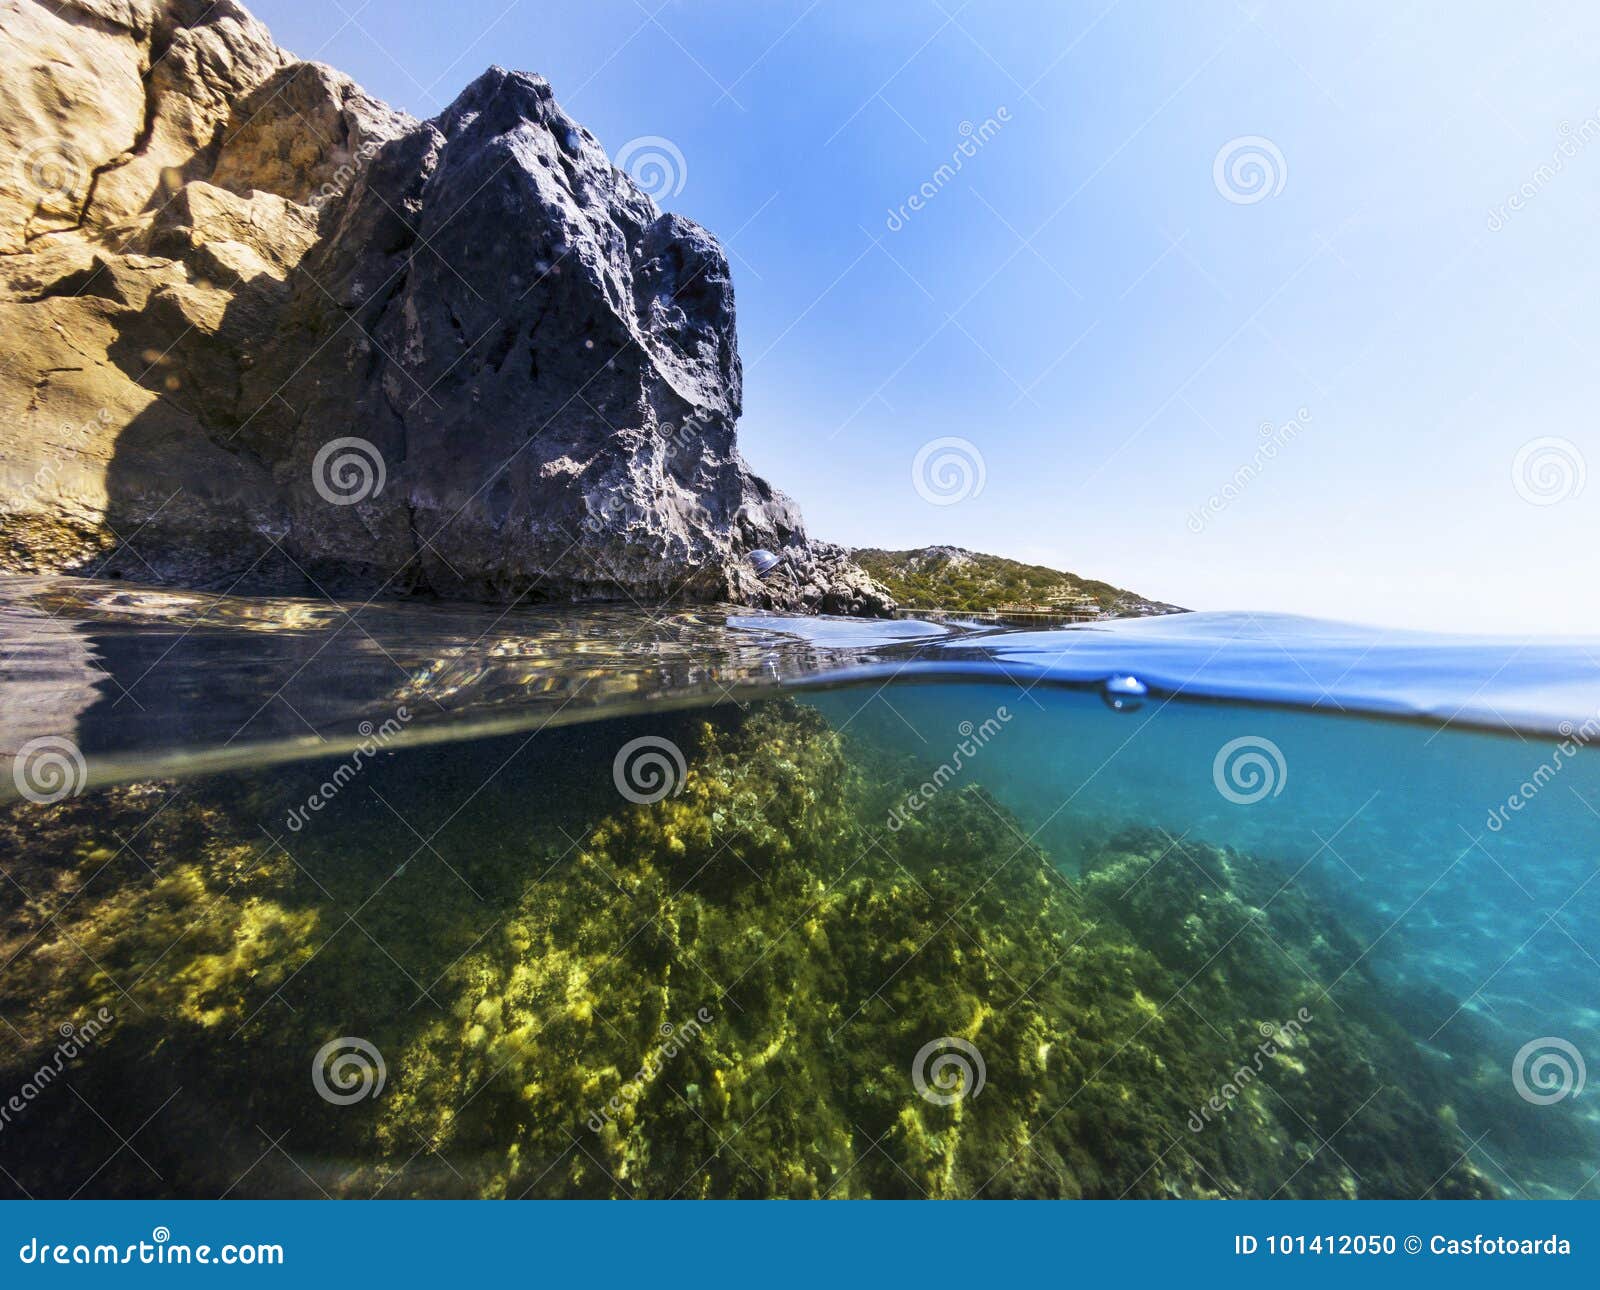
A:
260	331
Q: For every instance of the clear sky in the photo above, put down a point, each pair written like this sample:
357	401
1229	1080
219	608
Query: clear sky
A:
1097	300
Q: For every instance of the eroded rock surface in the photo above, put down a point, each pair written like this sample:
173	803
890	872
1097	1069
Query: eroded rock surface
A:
259	331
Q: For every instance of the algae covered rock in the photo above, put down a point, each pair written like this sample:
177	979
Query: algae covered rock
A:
740	985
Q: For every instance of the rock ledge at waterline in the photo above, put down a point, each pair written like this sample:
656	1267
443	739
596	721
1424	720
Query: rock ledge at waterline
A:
217	260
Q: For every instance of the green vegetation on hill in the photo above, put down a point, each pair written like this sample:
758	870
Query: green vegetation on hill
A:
947	577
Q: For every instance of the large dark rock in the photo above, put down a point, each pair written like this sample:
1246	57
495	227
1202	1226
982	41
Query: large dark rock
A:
261	331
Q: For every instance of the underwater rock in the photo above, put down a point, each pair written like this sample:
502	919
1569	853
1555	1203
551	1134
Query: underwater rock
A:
1323	1062
264	333
735	985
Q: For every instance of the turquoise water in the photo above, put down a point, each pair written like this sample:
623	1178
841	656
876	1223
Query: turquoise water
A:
405	900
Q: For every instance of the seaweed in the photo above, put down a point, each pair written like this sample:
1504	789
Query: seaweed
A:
745	988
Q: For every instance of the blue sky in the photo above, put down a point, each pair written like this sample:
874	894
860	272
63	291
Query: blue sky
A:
1107	313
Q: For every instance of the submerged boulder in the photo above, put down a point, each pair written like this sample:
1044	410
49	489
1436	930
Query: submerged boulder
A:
263	332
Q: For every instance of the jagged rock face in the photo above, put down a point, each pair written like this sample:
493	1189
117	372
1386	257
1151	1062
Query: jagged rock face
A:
261	331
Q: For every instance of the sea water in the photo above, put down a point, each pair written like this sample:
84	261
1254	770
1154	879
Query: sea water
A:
307	899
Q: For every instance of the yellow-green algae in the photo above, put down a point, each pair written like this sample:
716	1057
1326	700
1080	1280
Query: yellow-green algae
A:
531	1003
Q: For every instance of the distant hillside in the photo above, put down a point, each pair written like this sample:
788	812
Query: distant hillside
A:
947	577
